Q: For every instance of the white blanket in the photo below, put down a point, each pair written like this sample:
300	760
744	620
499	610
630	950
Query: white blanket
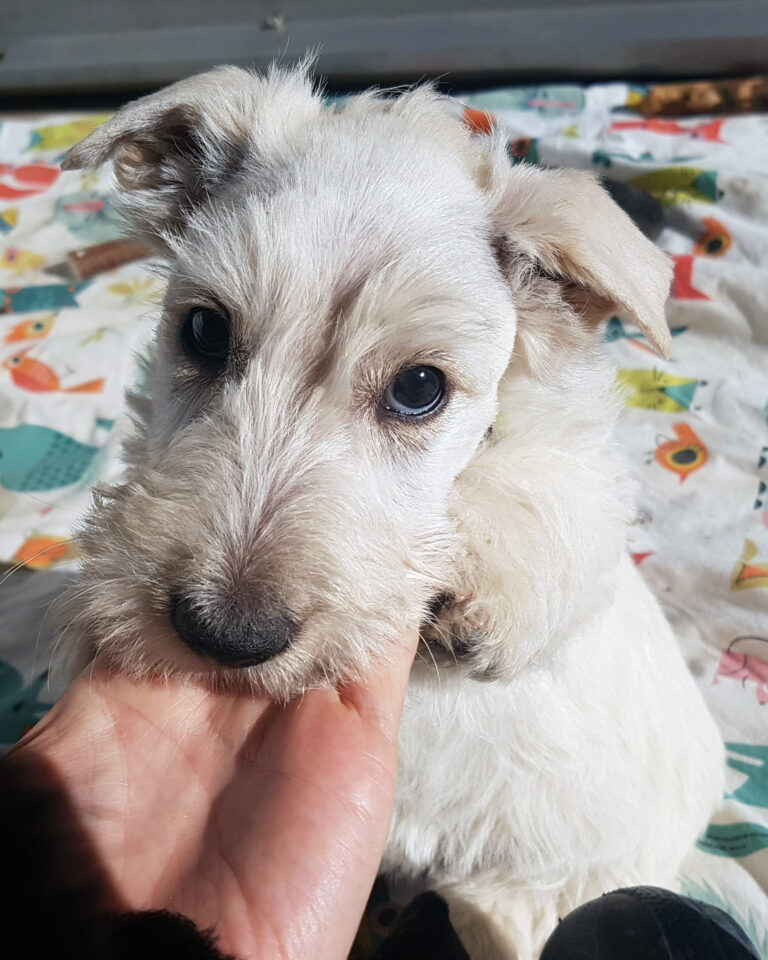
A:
696	426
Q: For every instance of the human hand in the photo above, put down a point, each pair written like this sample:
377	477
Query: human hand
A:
266	823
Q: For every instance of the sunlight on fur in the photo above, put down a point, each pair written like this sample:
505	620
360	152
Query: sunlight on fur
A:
280	513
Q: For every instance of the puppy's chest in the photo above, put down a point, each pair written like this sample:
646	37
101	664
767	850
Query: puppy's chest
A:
471	758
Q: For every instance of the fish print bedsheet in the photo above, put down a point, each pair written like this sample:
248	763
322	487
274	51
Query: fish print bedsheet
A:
696	426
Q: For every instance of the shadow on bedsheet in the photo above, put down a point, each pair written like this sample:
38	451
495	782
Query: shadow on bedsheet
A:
28	628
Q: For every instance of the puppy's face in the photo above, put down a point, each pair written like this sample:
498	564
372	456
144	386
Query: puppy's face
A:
326	363
335	328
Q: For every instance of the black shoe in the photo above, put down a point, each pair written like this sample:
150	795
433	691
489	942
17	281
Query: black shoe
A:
648	923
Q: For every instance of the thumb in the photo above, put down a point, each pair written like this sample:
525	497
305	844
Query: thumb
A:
379	698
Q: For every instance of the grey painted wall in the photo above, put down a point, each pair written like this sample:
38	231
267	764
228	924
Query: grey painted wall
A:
134	44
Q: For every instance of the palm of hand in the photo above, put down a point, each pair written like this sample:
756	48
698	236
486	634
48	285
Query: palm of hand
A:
264	822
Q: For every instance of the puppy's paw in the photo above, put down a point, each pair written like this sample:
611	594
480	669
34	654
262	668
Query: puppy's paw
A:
455	627
478	935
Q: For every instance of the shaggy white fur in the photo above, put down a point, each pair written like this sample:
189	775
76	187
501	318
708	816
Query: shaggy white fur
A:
553	744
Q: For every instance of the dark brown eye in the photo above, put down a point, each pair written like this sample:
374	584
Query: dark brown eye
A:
415	392
206	336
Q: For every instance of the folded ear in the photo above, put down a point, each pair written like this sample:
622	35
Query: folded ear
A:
569	226
176	148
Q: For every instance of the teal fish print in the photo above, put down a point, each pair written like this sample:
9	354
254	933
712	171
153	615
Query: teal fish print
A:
35	458
52	296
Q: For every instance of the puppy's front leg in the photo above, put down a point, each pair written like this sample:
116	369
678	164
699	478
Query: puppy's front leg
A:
497	922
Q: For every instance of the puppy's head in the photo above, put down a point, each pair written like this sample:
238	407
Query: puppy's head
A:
340	311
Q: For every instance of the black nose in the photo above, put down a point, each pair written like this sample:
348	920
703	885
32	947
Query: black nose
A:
231	639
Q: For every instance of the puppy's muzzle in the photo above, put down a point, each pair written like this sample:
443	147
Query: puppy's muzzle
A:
232	640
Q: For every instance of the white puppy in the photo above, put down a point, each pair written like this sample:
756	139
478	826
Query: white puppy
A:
377	398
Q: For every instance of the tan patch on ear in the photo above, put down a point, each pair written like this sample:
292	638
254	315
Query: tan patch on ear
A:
567	223
175	148
591	308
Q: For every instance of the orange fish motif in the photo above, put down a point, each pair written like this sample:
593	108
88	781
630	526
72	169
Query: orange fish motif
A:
478	121
684	455
37	377
34	329
715	241
682	281
747	573
637	558
39	552
709	132
17	182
